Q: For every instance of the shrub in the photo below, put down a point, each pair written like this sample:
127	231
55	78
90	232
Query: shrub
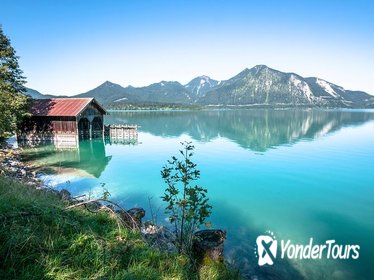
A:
187	204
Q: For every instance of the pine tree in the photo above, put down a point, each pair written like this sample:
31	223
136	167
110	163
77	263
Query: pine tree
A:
13	102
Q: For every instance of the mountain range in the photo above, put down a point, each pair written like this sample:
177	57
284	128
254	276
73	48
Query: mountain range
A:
257	86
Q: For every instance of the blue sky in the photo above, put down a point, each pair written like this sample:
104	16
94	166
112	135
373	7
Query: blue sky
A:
71	46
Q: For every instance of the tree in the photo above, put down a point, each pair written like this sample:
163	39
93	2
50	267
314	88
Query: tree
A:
187	204
14	103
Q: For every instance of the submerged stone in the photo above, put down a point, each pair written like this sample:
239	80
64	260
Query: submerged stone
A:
208	245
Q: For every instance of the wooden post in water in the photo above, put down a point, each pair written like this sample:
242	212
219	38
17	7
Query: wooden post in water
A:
122	133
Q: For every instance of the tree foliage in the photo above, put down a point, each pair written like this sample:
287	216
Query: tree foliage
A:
187	204
14	103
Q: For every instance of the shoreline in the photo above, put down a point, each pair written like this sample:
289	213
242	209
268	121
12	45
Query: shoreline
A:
11	165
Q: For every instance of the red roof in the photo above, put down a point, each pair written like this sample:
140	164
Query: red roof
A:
62	107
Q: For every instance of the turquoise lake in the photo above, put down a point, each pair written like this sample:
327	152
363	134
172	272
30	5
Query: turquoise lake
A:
306	173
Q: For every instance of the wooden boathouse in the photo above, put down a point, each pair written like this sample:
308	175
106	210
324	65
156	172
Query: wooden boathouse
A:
63	121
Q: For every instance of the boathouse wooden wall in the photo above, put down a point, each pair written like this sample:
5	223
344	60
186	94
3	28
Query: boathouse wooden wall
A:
38	124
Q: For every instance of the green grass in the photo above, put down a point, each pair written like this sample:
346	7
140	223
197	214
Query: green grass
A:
39	239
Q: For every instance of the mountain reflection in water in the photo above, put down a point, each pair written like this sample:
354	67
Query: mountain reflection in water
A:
254	129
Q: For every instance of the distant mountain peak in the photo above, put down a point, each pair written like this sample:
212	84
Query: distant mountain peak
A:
201	84
260	67
262	85
108	84
37	95
204	77
165	84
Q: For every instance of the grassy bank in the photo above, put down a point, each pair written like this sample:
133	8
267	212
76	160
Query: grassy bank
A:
39	239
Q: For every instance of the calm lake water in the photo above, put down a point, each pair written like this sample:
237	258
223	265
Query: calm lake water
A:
298	173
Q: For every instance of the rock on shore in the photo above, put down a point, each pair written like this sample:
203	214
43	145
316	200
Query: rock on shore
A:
12	166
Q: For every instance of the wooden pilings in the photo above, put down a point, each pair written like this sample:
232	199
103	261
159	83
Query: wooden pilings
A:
121	133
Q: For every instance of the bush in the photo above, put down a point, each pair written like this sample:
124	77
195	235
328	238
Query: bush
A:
187	204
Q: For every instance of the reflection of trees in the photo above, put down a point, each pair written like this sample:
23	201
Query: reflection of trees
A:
89	156
92	157
255	129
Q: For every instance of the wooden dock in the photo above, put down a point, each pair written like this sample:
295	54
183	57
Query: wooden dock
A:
121	133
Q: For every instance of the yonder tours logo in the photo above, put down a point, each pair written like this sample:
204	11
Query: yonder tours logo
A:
266	249
267	246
